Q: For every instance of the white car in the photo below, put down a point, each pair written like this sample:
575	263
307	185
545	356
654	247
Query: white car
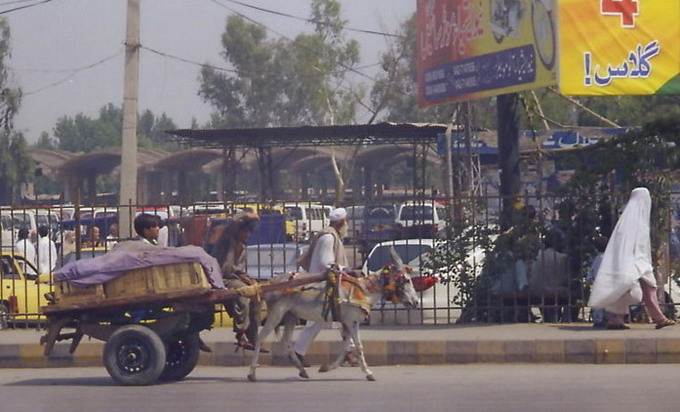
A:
412	252
436	303
268	260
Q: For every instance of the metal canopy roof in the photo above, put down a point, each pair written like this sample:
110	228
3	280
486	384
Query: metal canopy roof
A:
367	134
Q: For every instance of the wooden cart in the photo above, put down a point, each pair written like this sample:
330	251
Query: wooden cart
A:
149	318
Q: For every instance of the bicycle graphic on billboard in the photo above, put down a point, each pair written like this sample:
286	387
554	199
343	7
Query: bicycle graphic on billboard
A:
506	17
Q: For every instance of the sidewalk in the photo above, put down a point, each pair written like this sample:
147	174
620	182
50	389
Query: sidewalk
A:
394	345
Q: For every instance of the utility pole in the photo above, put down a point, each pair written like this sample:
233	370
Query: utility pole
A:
128	169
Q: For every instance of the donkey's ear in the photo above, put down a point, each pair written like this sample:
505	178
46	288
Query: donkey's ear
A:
396	258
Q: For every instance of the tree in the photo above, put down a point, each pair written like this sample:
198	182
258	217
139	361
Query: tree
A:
82	134
45	142
15	167
282	82
151	131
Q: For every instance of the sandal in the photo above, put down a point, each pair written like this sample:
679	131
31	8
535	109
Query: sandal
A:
664	322
245	345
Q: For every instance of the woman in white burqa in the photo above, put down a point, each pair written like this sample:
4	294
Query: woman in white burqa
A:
626	274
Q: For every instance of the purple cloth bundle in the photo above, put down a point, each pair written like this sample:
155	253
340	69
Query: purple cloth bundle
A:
131	255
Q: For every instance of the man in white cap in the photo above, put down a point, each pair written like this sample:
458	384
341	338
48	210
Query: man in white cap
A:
325	248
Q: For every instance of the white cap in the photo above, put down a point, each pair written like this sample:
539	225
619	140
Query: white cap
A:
337	214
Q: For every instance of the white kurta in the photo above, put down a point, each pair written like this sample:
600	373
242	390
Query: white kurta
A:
627	259
322	256
47	255
26	248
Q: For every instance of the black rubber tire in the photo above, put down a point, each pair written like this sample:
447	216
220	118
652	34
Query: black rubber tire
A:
4	317
134	355
181	357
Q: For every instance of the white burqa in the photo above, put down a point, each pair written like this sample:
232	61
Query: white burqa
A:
627	259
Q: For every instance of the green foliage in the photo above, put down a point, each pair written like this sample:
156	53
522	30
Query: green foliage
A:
45	142
585	208
280	82
455	260
82	134
151	132
642	157
15	167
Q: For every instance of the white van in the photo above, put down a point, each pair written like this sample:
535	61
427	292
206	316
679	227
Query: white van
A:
420	219
308	218
12	221
7	230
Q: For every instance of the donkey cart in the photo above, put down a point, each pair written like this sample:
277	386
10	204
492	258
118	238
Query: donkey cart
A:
149	319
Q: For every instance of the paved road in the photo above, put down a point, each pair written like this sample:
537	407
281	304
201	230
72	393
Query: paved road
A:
469	388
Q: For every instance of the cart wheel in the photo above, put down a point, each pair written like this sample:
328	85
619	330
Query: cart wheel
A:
4	316
134	355
182	357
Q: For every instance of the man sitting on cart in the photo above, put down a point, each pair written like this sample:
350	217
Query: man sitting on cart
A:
230	252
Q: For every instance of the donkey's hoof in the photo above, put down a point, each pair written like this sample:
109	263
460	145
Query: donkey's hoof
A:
303	374
324	368
251	377
370	378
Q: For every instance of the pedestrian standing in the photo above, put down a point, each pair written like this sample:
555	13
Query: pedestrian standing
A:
47	251
25	247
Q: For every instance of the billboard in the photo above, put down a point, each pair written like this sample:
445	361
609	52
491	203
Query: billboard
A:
619	47
468	49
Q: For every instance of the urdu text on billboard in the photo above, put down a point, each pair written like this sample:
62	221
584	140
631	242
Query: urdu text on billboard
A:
619	47
468	49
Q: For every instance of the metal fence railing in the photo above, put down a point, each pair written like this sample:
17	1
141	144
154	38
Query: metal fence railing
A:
534	271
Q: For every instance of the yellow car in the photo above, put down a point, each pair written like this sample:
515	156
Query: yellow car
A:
21	293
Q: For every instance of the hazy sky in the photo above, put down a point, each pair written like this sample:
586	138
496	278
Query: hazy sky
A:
67	55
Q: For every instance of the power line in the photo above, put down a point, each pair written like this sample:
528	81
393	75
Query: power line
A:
74	72
24	7
198	64
307	20
77	69
7	3
183	60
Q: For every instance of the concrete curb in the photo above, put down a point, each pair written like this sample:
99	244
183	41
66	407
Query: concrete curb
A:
617	349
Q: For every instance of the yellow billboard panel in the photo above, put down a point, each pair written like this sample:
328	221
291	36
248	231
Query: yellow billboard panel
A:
468	49
619	47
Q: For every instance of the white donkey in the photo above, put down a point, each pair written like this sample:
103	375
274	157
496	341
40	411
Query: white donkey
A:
355	297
